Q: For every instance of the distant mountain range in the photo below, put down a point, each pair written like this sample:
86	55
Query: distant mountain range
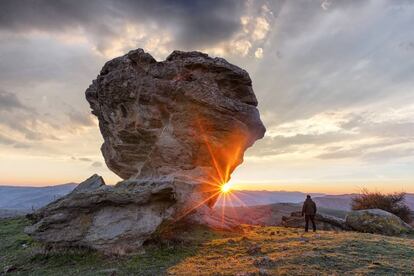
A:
253	198
20	200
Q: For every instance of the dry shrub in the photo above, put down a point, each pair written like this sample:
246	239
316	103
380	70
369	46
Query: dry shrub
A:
393	203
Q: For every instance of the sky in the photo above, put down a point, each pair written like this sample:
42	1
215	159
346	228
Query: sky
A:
334	81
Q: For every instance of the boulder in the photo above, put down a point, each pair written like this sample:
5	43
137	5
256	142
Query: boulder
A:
323	222
174	131
377	221
110	219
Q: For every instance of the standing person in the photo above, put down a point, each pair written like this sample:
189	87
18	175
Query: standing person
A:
309	210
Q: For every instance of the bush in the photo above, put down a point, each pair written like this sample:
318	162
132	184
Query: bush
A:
393	203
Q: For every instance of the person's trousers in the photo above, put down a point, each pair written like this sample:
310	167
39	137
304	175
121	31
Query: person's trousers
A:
312	219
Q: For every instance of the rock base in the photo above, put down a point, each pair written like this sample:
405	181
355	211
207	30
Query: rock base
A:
116	219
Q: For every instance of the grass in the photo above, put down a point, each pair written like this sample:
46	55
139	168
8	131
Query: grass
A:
271	250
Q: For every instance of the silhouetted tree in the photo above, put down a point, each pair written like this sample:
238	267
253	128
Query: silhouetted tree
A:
393	203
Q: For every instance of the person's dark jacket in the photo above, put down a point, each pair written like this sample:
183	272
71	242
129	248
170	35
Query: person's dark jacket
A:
309	207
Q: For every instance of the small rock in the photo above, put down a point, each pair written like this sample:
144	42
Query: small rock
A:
231	241
272	233
264	262
254	249
246	274
109	271
244	239
9	268
264	272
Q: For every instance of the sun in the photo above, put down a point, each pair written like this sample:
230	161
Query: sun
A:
225	188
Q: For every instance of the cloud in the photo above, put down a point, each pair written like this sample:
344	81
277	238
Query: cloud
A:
333	78
6	140
97	164
191	23
85	159
360	135
22	122
322	52
16	115
326	4
81	119
256	22
22	146
9	101
258	53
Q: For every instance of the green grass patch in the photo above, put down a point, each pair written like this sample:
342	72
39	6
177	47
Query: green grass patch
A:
198	251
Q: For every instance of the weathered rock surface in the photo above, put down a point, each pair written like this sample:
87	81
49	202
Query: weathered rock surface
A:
167	118
174	130
323	222
377	221
106	218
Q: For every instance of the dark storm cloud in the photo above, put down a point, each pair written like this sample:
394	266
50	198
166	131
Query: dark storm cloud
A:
193	23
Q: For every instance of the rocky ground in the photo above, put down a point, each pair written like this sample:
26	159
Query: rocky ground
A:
256	250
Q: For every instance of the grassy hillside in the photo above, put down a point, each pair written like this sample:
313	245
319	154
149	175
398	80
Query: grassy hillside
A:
270	250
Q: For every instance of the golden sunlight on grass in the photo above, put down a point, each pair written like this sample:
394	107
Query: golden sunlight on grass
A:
254	250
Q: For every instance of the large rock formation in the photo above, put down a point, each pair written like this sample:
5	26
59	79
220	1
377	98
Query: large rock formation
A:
168	118
174	130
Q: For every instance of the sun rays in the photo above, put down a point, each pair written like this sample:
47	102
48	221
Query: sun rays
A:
221	157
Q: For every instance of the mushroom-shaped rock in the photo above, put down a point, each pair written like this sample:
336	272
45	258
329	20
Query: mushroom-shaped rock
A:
174	131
